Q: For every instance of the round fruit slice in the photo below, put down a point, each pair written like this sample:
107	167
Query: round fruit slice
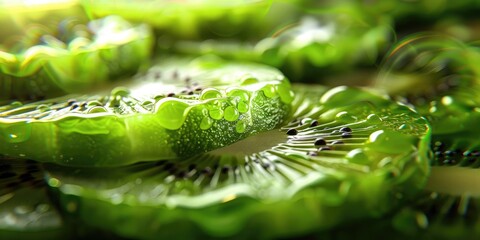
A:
26	211
188	19
328	42
347	155
178	108
49	62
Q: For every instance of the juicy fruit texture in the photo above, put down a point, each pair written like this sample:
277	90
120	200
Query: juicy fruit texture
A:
178	108
74	58
439	76
347	155
192	19
25	208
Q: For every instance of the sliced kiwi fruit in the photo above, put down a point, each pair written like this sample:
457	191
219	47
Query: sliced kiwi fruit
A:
70	56
315	45
346	154
26	211
179	108
189	19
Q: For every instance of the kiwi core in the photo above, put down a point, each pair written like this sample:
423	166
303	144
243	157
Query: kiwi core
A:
253	144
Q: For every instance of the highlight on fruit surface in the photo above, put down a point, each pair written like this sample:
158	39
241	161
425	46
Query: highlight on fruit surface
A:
178	108
346	154
70	56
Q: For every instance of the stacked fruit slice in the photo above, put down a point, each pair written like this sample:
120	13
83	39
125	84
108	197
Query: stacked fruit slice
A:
346	155
77	57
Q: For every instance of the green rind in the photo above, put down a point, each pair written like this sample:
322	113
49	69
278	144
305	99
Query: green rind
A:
153	199
147	125
118	49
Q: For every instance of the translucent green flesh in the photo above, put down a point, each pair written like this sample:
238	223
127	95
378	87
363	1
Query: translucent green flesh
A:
193	19
213	104
114	49
305	50
25	207
225	193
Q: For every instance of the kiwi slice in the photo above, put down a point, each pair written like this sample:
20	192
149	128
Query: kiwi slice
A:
331	41
179	108
70	56
347	154
189	19
26	210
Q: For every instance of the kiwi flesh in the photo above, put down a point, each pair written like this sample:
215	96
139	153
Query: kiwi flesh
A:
346	154
189	19
178	108
306	50
70	56
26	210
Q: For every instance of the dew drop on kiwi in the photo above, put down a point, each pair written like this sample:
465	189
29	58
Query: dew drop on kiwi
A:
345	117
387	141
210	94
269	91
216	113
357	156
242	106
241	126
231	114
120	91
206	123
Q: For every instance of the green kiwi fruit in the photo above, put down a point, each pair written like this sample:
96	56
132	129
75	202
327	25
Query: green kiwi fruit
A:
344	154
70	56
180	107
26	210
189	19
316	45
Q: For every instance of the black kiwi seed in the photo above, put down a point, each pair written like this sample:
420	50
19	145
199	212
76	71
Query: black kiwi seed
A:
292	131
171	95
320	142
345	129
314	123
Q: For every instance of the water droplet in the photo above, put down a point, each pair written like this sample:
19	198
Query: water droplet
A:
388	141
231	114
16	104
269	91
120	91
286	94
242	106
93	103
216	113
97	109
249	81
358	156
239	93
241	126
210	93
206	123
345	117
43	108
171	113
